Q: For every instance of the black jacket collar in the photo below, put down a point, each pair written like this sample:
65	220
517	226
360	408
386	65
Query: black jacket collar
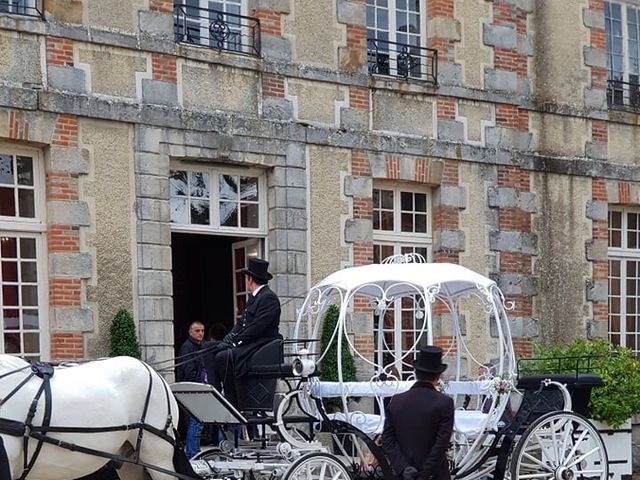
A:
420	384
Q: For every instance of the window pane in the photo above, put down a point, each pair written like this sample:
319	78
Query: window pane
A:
376	198
421	202
199	184
10	295
30	295
179	211
421	223
387	220
30	320
229	214
406	201
9	272
29	272
615	238
7	202
615	219
6	169
376	220
632	240
27	248
249	188
249	215
228	187
26	205
25	170
178	183
407	222
8	247
386	199
383	19
10	319
200	212
11	343
31	343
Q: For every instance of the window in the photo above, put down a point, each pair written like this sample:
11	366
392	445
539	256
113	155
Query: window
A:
622	25
220	24
401	224
395	39
22	281
215	200
29	8
624	278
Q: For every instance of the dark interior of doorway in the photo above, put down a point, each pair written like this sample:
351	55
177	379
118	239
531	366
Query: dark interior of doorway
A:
202	282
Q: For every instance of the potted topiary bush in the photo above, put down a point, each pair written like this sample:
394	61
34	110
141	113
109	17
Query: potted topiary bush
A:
612	405
123	337
329	364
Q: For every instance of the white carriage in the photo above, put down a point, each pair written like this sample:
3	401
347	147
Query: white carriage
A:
505	426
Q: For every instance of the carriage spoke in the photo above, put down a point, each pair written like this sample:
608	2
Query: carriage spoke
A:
323	470
544	451
538	462
575	447
582	457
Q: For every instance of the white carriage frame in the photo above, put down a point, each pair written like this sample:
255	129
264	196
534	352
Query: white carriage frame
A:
410	276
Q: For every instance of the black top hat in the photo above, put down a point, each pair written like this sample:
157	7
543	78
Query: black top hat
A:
257	268
430	360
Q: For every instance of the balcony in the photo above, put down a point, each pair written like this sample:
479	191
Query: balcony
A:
408	62
623	95
27	8
216	29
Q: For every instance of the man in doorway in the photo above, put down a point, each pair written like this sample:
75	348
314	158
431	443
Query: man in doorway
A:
258	325
192	371
419	424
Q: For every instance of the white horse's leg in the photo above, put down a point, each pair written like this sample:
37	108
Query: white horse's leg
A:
157	452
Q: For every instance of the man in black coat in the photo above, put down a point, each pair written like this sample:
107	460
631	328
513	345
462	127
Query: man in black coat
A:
259	325
419	423
192	371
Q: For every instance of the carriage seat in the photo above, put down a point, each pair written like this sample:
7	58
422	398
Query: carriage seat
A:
256	390
578	385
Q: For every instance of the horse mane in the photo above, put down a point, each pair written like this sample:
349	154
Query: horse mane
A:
9	362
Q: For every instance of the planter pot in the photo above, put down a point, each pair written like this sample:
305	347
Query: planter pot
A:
618	444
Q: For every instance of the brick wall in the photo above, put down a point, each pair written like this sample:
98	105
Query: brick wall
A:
65	292
512	218
163	68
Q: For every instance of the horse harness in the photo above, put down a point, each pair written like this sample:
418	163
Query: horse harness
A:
40	433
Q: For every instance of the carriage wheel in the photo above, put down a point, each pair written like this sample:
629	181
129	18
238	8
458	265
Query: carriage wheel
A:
317	466
560	446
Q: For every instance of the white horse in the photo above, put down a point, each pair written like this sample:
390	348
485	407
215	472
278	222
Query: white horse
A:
102	393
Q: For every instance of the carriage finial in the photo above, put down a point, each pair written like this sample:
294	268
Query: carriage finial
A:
405	258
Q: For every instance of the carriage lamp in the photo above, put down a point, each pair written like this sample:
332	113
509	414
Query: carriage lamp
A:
303	366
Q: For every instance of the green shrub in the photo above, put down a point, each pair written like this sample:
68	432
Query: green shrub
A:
618	398
329	364
124	341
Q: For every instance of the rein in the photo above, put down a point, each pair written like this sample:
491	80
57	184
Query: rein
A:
40	433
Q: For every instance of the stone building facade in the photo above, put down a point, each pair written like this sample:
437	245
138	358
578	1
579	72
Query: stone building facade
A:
149	147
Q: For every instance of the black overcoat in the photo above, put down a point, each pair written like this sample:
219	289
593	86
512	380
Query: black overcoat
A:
190	370
417	432
259	325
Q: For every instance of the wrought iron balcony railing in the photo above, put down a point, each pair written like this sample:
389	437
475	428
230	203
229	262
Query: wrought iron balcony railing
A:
216	29
401	60
623	95
28	8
